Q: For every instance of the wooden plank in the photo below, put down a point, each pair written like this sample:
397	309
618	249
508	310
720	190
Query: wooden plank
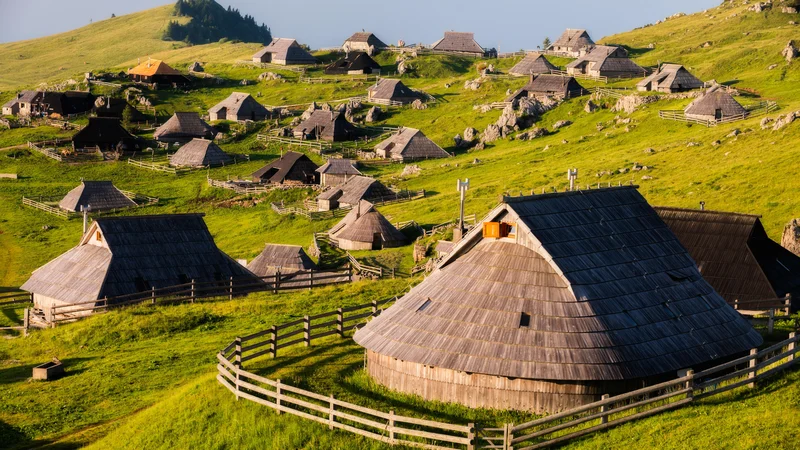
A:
289	344
289	324
226	363
721	367
260	379
256	355
361	420
432	424
774	359
256	335
325	334
361	409
259	389
726	377
433	436
722	389
256	345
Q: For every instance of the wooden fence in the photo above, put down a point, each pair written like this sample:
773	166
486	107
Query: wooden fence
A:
363	268
194	291
64	214
759	109
615	93
581	76
554	429
42	148
157	167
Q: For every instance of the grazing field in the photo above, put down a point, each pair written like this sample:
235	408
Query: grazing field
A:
143	377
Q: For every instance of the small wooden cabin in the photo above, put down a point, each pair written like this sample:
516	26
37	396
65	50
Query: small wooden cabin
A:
129	255
291	168
106	134
337	171
364	228
574	43
387	90
606	61
200	153
182	127
25	104
363	41
408	145
532	64
158	72
95	196
354	63
327	126
554	301
735	255
239	106
715	104
351	192
284	52
670	78
286	259
460	43
544	86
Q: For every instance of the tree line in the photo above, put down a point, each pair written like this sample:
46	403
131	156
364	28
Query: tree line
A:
211	23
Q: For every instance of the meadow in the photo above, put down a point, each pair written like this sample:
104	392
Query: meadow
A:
143	377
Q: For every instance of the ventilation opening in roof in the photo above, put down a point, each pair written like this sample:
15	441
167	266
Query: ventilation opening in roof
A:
424	305
524	320
678	277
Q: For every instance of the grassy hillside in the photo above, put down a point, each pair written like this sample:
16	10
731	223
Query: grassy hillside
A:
142	378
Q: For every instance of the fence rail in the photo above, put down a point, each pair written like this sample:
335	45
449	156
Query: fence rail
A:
156	167
64	214
551	430
364	268
582	76
759	109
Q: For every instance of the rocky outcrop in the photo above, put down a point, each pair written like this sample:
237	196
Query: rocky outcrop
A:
591	107
310	110
418	105
473	85
532	134
790	52
373	115
631	103
410	170
268	76
791	237
561	124
469	134
784	120
492	133
196	67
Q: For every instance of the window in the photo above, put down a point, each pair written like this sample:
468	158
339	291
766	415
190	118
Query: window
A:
498	230
99	237
524	320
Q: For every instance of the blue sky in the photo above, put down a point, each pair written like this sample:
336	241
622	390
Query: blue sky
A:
508	25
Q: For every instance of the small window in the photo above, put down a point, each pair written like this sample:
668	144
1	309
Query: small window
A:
524	320
99	237
424	305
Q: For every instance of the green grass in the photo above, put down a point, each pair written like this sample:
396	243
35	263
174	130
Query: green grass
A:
142	377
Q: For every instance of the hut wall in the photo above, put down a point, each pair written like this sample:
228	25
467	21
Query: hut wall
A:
486	391
354	245
44	303
329	179
357	46
327	205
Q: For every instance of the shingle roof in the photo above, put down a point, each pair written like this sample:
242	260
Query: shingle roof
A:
411	144
459	42
200	153
183	126
674	76
153	67
354	61
288	50
734	254
549	85
96	195
25	97
288	258
609	292
366	37
240	104
356	189
606	58
364	222
331	125
281	167
715	99
340	166
532	63
391	89
574	40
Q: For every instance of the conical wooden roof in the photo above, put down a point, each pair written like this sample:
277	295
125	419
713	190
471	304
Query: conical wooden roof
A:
184	126
532	63
363	222
96	195
200	153
593	286
288	258
712	101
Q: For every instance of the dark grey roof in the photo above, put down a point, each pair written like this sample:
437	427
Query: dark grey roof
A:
240	104
549	85
366	37
392	89
364	222
96	195
354	61
184	126
715	99
288	50
200	153
609	292
672	76
574	40
331	125
606	58
278	170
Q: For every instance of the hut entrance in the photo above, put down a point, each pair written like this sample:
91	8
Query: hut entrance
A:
718	114
377	241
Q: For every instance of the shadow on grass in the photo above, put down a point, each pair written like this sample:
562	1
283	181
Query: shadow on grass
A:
13	438
22	373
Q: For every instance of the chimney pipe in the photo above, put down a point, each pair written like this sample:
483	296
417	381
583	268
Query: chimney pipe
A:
702	206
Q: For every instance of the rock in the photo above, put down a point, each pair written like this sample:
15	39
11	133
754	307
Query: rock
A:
692	144
649	151
480	146
759	7
707	44
310	110
196	67
791	237
447	85
476	161
326	107
561	124
418	105
765	122
411	169
373	115
342	108
492	133
637	167
244	82
267	76
716	143
473	85
623	170
508	118
401	43
651	46
100	102
490	68
789	10
734	133
469	134
646	177
624	121
590	107
564	141
509	92
458	140
792	22
789	52
530	107
402	68
532	134
355	104
784	120
546	148
630	103
772	67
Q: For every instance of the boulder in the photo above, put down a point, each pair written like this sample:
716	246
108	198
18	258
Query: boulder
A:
196	67
492	133
472	85
458	140
734	133
590	107
373	115
630	103
784	120
508	118
411	169
789	52
326	107
561	124
417	104
532	134
310	110
244	82
480	146
649	151
402	68
789	10
765	122
469	134
791	237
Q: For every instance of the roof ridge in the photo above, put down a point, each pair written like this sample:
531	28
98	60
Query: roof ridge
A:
526	198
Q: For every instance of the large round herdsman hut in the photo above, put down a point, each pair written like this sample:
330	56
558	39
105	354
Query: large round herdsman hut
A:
556	300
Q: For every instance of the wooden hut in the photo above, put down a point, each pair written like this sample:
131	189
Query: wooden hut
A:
554	301
105	134
95	196
354	190
388	90
606	61
574	43
459	43
329	126
364	228
735	255
291	168
363	41
200	153
544	86
532	64
409	144
284	52
337	171
128	255
239	106
715	104
354	63
64	104
183	127
670	78
286	259
158	72
25	104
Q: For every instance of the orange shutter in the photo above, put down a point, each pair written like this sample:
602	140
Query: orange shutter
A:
491	230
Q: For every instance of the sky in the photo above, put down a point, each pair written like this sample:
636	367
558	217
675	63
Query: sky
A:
508	25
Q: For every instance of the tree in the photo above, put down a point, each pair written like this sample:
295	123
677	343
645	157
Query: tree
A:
127	116
113	15
546	44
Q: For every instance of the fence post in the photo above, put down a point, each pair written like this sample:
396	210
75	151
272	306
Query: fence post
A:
230	291
604	409
273	345
471	436
349	272
193	293
771	322
374	308
238	355
331	410
26	321
278	394
508	436
277	282
787	308
311	280
391	427
340	322
306	331
792	346
752	366
690	384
